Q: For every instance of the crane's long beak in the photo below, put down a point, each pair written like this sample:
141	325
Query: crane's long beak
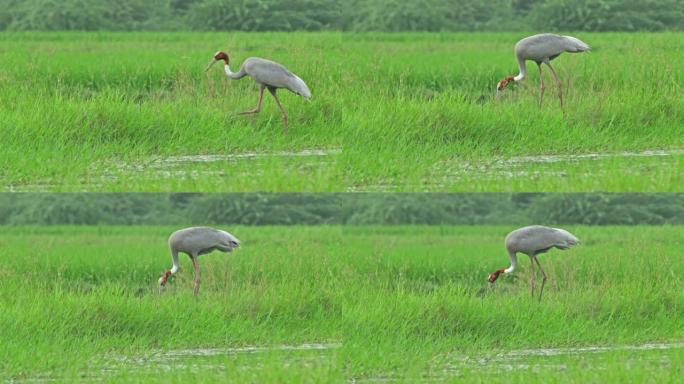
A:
213	61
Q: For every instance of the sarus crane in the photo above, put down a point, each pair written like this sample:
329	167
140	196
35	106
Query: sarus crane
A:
542	49
532	241
269	75
196	241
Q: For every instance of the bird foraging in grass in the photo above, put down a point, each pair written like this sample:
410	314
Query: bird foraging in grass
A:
269	75
532	241
196	241
542	49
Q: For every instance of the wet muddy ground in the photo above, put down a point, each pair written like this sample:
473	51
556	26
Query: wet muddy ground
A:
643	171
300	356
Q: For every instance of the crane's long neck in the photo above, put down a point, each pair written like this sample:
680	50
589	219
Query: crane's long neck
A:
523	69
176	264
165	276
514	262
233	75
495	275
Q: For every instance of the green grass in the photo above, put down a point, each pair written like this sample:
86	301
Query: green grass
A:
92	111
85	292
406	303
423	294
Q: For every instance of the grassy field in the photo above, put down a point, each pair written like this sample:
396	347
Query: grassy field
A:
335	304
107	111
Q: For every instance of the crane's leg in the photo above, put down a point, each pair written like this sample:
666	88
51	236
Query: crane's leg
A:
273	92
541	85
533	279
543	278
195	265
558	82
258	106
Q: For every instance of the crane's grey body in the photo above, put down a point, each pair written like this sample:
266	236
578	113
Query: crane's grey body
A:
269	75
272	75
547	46
537	239
196	241
532	241
542	49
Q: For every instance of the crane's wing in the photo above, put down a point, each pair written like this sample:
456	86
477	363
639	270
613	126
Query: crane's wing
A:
536	238
220	239
548	45
203	238
573	44
272	74
565	239
546	237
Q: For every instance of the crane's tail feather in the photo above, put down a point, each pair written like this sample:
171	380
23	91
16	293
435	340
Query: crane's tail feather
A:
576	45
567	239
299	87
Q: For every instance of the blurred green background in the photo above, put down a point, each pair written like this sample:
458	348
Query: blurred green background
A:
351	15
341	209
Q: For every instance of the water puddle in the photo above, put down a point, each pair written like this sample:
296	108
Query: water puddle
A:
452	365
589	168
443	368
175	161
196	167
313	152
159	356
549	358
446	174
248	349
215	358
585	156
102	368
509	164
585	350
191	167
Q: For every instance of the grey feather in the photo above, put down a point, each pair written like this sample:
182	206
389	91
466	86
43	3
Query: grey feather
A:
538	239
547	46
542	48
195	241
532	241
274	75
202	240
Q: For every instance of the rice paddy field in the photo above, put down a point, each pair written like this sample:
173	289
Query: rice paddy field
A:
340	304
391	112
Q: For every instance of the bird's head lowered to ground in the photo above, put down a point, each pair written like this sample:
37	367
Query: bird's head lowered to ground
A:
218	56
494	275
503	83
164	278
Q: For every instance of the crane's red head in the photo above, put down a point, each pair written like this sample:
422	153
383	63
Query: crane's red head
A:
494	275
164	278
220	55
503	83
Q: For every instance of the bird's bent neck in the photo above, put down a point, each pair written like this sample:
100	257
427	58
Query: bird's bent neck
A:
514	261
226	69
523	69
